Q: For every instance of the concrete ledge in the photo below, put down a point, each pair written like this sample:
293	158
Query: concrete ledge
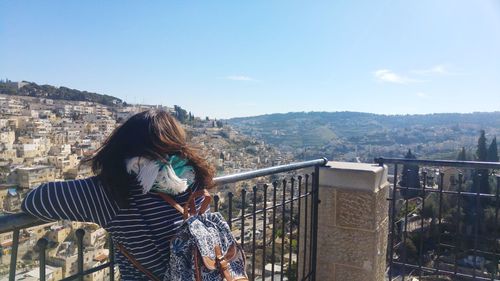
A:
353	176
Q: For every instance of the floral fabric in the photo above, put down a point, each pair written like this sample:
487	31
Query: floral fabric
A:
197	238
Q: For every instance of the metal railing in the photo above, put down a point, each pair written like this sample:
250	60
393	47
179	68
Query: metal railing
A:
444	220
292	214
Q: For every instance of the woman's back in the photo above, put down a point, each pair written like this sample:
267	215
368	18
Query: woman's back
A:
147	154
144	228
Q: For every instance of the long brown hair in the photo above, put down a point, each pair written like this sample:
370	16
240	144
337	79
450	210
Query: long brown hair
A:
153	134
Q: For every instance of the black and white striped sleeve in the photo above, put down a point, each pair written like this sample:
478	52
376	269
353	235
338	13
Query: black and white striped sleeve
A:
78	200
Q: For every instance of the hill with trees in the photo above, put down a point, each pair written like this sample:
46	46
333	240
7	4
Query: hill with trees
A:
59	93
355	136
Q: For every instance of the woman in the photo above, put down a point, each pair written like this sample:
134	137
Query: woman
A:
144	158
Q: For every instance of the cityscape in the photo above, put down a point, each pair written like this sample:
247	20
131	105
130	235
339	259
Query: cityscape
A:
44	139
336	140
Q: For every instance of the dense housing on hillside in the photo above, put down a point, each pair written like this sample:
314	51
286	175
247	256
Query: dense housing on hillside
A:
43	140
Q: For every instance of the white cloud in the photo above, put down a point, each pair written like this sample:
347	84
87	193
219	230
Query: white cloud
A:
240	78
422	95
439	69
389	76
386	75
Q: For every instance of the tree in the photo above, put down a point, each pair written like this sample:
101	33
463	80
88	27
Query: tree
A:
481	175
431	208
76	116
408	251
410	178
489	220
462	156
180	113
493	151
219	124
474	209
482	151
291	272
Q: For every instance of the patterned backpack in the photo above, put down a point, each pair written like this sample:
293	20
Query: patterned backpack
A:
203	248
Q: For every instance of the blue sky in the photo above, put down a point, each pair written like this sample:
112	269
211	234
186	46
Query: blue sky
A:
241	58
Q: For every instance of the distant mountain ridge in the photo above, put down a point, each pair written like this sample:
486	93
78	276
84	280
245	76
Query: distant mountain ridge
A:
433	118
58	93
348	132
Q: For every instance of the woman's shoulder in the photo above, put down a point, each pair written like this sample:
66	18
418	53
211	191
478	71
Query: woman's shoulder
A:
90	185
78	200
88	180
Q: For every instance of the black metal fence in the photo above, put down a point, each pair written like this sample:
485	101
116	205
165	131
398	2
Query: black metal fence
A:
443	220
274	220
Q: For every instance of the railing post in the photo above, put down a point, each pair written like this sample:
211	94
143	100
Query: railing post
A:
264	227
315	206
351	223
283	229
305	226
79	240
111	259
392	211
42	246
13	255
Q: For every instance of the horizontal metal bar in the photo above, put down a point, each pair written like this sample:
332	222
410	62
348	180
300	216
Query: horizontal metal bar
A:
21	220
246	216
444	163
492	240
437	271
269	171
16	221
433	190
88	271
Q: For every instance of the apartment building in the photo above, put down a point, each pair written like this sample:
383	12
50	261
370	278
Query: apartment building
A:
10	199
58	233
51	274
31	177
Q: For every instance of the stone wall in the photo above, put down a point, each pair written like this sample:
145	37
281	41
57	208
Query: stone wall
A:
352	223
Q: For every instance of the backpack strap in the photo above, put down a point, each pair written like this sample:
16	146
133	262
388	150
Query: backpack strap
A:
189	208
222	263
137	264
172	202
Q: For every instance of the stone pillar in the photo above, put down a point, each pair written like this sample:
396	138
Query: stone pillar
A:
352	222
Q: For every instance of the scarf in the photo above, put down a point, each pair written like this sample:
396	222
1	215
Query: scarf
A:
171	177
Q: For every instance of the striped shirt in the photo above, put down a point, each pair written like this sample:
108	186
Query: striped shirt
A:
144	228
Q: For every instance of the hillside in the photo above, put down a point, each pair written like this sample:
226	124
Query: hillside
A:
59	93
348	135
